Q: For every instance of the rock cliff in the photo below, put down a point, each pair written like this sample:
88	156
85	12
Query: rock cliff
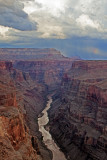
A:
78	117
15	140
21	100
29	54
48	72
23	91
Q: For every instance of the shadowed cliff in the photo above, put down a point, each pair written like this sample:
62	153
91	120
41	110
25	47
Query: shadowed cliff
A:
78	117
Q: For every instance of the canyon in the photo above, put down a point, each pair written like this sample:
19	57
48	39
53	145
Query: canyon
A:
78	116
47	138
78	113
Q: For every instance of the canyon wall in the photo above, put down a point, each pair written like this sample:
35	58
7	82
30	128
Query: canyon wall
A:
24	86
15	140
78	117
48	72
21	100
44	66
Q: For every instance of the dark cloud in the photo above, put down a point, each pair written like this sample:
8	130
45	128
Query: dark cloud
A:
77	27
83	47
12	15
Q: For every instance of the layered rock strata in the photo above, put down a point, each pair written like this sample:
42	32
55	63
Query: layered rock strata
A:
21	100
15	140
29	54
78	117
49	72
30	81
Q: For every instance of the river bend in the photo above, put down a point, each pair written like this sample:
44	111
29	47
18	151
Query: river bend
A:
47	138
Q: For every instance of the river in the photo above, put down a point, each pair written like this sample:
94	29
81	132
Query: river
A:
47	138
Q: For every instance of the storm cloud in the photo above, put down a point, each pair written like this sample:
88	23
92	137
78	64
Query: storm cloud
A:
12	15
76	27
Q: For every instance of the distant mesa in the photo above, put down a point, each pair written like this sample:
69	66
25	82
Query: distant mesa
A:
30	54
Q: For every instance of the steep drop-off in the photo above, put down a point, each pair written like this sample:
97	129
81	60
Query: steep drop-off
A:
78	116
30	81
48	72
15	140
47	138
21	100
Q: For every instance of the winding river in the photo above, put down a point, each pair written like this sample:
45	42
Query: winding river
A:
47	138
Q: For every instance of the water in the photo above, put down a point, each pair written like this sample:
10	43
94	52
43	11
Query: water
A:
47	138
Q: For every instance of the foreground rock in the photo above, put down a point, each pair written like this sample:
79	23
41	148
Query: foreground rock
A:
78	117
21	100
15	140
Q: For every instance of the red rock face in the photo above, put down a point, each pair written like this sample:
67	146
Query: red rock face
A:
5	65
78	119
98	95
49	72
88	65
17	131
21	100
15	141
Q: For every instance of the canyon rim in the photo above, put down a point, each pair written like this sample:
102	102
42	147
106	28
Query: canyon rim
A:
77	114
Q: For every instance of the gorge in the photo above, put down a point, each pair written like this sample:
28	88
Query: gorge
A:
47	138
78	112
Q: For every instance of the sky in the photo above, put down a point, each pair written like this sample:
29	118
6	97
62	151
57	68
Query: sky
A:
75	27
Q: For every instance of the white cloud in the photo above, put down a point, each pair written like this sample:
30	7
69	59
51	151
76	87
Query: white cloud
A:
3	30
69	17
84	20
53	6
57	18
